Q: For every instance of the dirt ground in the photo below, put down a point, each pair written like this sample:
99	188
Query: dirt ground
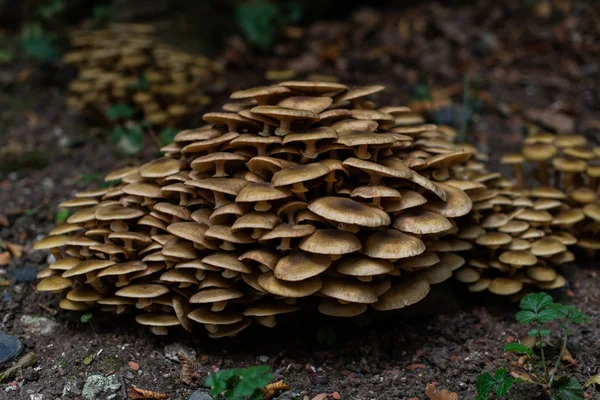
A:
533	70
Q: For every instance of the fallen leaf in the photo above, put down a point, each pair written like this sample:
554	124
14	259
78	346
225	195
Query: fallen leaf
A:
434	393
15	249
3	220
412	367
594	380
188	367
336	395
322	396
272	389
133	365
567	358
137	393
4	258
88	360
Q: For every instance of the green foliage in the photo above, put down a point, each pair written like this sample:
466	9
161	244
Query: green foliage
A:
538	310
37	44
119	111
52	10
259	20
62	215
239	383
86	317
128	138
141	84
7	54
100	15
166	136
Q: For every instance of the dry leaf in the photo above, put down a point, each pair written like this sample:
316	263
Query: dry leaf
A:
272	389
594	380
15	249
188	367
3	220
567	358
322	396
4	258
434	393
137	393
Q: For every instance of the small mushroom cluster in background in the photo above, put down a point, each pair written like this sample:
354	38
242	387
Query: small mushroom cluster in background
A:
295	194
125	63
570	167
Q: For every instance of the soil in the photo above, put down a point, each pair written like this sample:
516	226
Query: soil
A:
533	70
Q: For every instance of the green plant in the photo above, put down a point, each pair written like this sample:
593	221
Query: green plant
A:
167	135
62	215
239	383
7	54
128	137
259	20
37	44
119	111
538	310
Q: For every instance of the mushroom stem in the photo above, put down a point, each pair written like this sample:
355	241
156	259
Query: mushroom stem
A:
212	328
330	180
542	173
56	253
219	199
352	228
518	172
220	169
362	152
299	189
262	206
232	126
365	278
122	281
143	303
285	244
229	274
227	246
568	180
218	306
266	130
441	174
159	330
284	127
268	321
377	202
311	149
182	198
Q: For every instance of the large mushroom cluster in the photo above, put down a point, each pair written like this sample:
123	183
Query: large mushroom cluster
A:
571	165
295	194
125	63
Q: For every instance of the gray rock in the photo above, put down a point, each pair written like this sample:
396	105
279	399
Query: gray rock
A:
98	384
38	325
72	388
172	349
23	275
263	359
200	395
10	347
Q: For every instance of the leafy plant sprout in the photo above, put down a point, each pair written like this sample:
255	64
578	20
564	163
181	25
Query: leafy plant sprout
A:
239	383
538	310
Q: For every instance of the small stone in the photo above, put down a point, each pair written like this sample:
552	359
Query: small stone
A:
200	395
38	325
336	395
36	396
129	376
97	384
172	349
263	359
23	275
10	347
133	365
72	388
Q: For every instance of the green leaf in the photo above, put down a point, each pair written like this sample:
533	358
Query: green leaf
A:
576	316
535	302
533	332
6	55
62	215
141	84
258	21
526	317
86	317
88	360
566	388
52	10
545	332
129	140
504	386
518	348
166	136
100	15
549	315
594	380
119	111
485	384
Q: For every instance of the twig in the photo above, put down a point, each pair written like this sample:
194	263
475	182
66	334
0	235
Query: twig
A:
28	360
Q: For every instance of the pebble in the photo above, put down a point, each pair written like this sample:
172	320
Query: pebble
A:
263	359
172	349
97	384
129	376
23	275
36	396
200	395
38	325
72	388
10	347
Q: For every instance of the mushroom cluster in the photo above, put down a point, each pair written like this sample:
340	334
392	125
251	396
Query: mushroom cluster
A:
125	63
295	194
570	165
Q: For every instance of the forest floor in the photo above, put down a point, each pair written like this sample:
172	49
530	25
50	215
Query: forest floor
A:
525	68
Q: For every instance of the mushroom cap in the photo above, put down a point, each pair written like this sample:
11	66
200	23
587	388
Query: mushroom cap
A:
330	241
512	159
288	231
172	209
261	256
117	212
230	330
467	275
376	169
456	204
505	286
196	135
559	282
334	308
224	232
215	295
65	263
541	274
348	211
302	288
479	286
360	91
160	168
54	283
306	103
569	165
298	173
191	231
123	268
538	152
120	173
87	266
363	266
66	304
582	195
421	222
207	162
232	186
403	294
260	91
84	294
157	320
545	192
206	316
299	265
423	260
350	291
375	191
592	211
518	258
569	217
392	244
226	260
142	291
51	242
320	133
313	87
256	220
284	113
547	247
269	308
493	239
178	276
255	192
